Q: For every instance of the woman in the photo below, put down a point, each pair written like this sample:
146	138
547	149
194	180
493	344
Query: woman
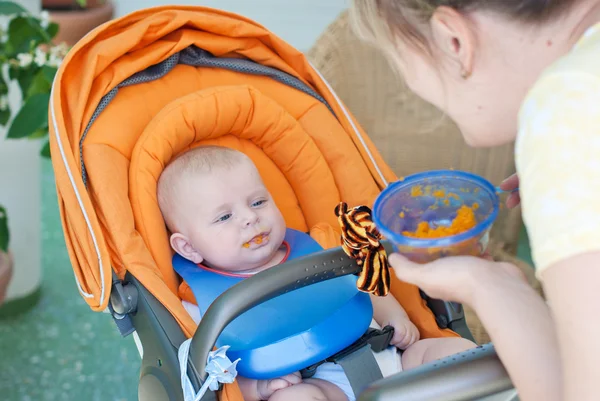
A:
524	70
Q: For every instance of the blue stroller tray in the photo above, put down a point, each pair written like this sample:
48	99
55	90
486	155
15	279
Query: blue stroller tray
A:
289	332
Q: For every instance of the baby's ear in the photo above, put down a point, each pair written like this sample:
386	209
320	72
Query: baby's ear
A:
183	247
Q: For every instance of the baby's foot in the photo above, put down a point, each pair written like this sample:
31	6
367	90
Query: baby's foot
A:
266	388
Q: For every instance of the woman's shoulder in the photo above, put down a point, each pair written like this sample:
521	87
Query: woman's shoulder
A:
584	57
557	155
568	86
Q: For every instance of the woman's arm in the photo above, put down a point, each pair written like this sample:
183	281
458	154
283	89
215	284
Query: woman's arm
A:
559	174
572	287
522	329
515	316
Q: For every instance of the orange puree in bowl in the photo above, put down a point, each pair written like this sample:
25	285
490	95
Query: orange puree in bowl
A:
464	220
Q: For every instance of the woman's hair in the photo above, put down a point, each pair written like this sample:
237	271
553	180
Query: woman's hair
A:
383	21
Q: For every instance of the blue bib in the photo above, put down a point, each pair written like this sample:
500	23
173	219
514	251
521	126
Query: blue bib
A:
289	332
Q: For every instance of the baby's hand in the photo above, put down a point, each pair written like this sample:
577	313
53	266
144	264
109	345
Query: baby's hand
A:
405	332
266	388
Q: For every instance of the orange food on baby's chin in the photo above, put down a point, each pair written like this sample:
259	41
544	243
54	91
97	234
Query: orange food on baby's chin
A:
464	220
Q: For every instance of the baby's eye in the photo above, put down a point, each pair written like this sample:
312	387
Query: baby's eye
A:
259	202
225	217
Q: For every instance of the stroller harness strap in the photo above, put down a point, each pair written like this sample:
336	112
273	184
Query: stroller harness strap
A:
293	330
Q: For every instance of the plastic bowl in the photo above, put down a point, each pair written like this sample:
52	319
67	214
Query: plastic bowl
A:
435	197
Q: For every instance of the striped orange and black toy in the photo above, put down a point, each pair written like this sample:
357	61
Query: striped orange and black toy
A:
362	241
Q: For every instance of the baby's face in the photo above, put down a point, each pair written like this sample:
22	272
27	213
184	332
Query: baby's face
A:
229	220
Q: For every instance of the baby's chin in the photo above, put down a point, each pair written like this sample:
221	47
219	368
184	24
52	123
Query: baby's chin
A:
259	262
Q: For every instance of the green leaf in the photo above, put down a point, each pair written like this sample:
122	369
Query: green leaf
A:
39	133
32	79
9	8
45	152
3	86
24	35
32	116
35	23
39	84
4	116
4	234
52	29
49	73
25	80
14	72
20	35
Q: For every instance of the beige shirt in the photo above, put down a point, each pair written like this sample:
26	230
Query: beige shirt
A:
558	156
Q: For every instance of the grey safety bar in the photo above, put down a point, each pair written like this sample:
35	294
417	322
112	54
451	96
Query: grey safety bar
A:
476	374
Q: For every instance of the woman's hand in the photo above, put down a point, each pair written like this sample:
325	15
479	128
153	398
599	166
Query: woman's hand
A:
510	184
456	278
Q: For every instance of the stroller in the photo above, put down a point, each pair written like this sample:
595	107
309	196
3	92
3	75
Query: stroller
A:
138	91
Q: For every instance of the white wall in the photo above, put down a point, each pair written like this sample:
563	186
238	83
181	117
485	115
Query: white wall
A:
20	193
299	22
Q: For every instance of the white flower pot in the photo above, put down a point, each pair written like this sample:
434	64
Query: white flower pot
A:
20	194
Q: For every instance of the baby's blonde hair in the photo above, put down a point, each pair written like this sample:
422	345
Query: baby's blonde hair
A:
200	160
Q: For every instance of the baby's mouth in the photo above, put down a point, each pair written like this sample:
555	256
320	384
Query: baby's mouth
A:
257	240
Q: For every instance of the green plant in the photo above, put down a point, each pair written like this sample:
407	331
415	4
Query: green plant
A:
28	56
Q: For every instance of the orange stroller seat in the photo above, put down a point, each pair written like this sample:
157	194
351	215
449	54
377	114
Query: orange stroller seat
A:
138	91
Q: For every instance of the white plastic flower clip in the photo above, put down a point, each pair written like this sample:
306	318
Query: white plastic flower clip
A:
219	367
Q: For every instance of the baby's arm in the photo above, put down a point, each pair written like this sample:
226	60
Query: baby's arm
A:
387	311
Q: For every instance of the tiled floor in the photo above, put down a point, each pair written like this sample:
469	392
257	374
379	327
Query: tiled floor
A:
61	350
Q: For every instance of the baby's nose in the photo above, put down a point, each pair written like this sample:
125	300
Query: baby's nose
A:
250	218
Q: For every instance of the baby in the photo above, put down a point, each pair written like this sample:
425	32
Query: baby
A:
221	215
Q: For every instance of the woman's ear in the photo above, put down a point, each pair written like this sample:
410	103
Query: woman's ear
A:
453	33
183	247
